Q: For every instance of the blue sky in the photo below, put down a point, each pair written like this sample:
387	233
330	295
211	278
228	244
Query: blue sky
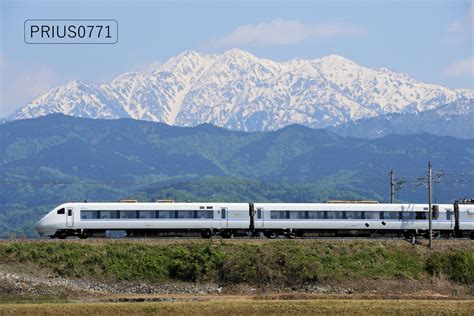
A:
431	41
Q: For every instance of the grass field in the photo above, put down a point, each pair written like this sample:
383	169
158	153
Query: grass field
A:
278	262
249	307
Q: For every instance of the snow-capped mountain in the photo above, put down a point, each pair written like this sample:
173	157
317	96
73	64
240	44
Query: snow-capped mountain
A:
239	91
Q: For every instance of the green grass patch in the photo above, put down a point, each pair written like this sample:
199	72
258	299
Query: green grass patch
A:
285	263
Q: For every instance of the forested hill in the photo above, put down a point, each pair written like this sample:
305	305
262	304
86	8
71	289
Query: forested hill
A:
48	160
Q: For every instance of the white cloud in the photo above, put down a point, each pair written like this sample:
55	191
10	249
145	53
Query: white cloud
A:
461	68
465	23
23	84
147	67
282	32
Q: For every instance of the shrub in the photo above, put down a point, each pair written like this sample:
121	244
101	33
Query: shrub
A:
458	266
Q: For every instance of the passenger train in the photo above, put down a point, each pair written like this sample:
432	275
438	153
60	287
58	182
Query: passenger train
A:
271	220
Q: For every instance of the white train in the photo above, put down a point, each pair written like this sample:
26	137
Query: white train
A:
257	219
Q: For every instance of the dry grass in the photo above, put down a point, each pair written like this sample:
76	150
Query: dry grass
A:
248	307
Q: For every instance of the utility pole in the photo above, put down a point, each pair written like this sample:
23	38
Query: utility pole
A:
430	214
392	187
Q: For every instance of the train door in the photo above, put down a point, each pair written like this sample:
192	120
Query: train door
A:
69	217
260	216
450	217
224	217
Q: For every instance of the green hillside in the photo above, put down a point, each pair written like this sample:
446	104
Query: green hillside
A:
52	159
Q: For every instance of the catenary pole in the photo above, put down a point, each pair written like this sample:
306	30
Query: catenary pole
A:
392	187
430	213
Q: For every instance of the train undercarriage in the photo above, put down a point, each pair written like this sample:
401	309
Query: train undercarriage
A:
270	233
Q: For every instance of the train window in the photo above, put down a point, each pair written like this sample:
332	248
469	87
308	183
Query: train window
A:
372	215
185	214
315	214
391	215
223	211
128	214
69	212
354	215
201	207
60	211
87	214
209	207
166	214
297	215
335	215
109	215
408	216
147	214
421	215
205	214
279	215
259	213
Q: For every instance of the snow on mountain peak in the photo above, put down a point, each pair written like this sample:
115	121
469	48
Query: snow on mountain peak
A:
236	53
240	91
336	59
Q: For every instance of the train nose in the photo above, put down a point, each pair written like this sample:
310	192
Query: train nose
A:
40	229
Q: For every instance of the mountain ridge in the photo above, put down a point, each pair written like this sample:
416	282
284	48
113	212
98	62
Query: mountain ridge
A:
240	91
48	160
452	119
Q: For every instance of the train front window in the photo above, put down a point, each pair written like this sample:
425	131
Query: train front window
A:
61	211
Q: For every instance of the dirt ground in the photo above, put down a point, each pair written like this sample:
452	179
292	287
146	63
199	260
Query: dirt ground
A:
246	306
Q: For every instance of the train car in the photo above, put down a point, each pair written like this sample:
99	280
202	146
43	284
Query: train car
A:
464	211
258	219
337	219
145	219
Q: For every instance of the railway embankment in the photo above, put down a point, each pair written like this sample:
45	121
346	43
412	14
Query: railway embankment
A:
334	267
